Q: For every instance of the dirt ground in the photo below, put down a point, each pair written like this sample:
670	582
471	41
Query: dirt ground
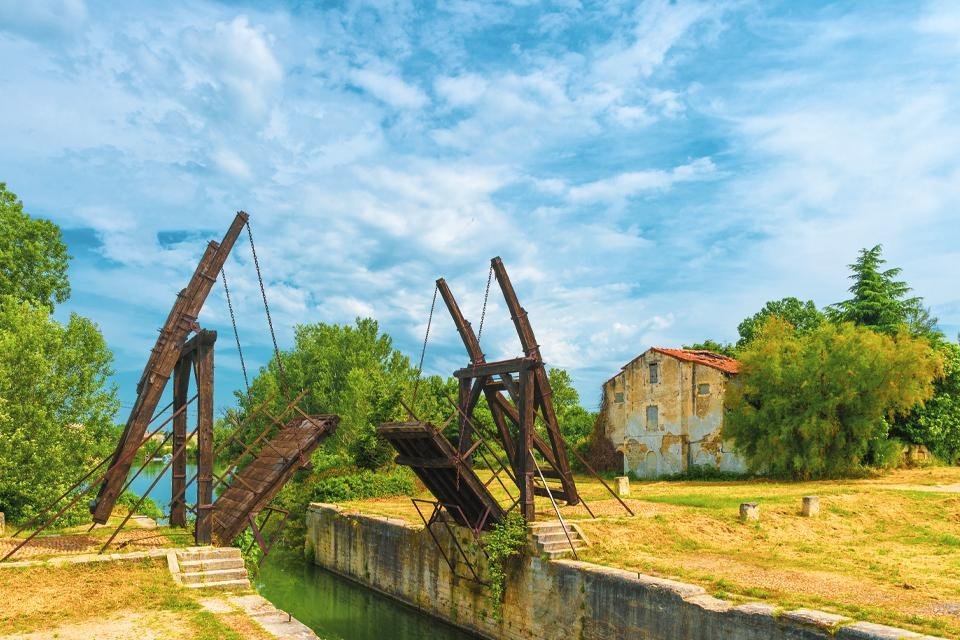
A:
884	549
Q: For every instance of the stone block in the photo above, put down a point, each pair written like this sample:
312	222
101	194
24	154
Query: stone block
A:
871	631
3	523
749	511
623	486
811	506
815	618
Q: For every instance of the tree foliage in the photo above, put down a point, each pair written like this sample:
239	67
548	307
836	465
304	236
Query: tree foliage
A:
352	371
803	316
56	408
809	405
880	301
576	423
936	423
33	257
724	349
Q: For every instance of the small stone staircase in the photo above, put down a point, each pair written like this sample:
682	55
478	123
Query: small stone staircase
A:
551	541
209	568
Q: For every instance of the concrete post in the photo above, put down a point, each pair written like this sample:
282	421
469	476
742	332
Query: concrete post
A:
623	486
3	523
749	511
811	506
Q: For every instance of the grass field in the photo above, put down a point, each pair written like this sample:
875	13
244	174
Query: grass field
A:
120	601
883	549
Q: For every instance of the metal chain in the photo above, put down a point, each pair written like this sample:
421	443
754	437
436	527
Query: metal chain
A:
266	306
486	296
236	334
423	351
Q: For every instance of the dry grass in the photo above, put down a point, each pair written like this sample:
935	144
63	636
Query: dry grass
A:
135	600
885	549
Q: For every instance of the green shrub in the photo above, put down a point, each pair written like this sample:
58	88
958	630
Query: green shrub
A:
809	406
149	508
503	542
370	452
365	484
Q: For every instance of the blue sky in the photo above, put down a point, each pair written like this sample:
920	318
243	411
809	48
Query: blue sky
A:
651	172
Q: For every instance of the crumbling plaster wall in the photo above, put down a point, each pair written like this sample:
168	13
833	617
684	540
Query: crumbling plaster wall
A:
689	415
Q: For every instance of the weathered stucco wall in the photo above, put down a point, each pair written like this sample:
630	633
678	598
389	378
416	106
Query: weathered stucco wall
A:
562	600
689	417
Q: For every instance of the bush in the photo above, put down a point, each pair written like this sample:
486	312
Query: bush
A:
815	405
370	452
365	484
149	508
936	424
503	542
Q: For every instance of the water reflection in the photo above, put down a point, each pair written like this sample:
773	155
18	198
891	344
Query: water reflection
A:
338	609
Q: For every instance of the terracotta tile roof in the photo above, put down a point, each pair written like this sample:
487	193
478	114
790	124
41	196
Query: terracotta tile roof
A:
708	358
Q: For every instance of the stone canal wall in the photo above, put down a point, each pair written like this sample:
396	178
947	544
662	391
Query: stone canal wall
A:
563	600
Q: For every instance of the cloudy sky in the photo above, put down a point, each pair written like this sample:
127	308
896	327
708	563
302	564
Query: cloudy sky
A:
650	172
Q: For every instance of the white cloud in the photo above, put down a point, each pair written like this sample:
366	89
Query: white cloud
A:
460	91
390	88
231	162
632	183
42	19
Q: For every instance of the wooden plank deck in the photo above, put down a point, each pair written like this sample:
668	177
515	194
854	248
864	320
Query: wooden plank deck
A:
257	483
451	481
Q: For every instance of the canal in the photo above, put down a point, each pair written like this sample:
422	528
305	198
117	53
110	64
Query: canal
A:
335	608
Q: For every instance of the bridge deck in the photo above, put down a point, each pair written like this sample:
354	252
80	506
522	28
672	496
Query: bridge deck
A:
452	482
254	486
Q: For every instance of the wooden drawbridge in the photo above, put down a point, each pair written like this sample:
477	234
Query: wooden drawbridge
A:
255	485
445	473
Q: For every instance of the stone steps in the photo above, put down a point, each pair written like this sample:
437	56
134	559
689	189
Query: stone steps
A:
554	539
213	564
209	568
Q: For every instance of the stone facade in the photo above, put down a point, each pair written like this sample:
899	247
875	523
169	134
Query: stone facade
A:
664	412
550	600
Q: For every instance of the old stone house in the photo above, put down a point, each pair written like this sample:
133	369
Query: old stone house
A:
664	412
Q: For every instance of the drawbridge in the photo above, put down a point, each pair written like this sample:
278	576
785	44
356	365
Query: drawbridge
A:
522	456
258	482
228	502
448	476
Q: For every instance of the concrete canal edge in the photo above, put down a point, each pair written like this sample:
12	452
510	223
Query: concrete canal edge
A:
558	599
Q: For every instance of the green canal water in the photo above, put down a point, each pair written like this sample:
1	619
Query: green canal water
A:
337	609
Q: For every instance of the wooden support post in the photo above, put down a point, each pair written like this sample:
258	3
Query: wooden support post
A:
465	426
178	470
160	365
204	372
524	464
532	350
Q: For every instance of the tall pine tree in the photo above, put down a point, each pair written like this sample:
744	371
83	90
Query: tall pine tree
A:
880	301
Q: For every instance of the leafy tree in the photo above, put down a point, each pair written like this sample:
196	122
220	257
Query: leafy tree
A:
813	405
33	258
712	345
576	423
56	407
936	423
880	301
804	316
351	371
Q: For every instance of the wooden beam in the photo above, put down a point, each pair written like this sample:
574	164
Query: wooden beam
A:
205	461
160	365
514	365
178	470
